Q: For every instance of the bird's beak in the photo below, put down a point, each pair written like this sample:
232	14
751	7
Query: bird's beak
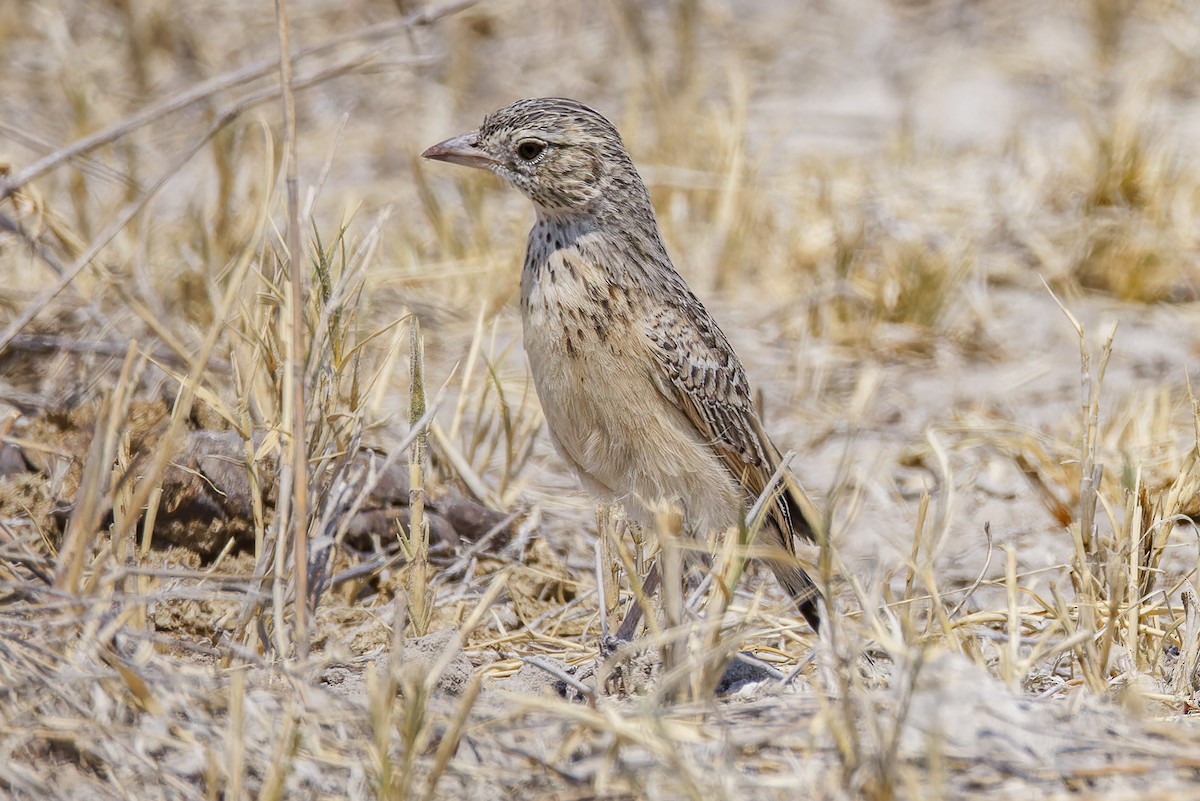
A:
462	150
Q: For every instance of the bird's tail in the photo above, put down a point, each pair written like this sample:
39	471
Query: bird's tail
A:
790	575
793	515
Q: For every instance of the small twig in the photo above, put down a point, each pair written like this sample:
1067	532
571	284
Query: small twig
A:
750	659
477	547
40	343
970	591
44	253
562	676
796	671
31	561
217	85
84	163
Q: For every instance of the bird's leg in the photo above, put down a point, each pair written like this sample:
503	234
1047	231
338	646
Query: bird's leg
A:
697	569
698	576
606	566
634	615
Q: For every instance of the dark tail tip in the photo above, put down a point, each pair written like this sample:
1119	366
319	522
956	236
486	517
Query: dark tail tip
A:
808	608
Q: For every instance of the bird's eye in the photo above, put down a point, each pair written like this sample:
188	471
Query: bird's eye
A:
530	149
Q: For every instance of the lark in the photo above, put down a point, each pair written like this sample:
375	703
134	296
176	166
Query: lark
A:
643	395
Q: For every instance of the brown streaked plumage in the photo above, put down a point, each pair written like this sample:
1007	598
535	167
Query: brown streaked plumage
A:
643	395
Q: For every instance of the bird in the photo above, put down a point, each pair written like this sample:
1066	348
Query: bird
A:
643	395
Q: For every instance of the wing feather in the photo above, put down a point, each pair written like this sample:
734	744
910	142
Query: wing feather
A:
700	373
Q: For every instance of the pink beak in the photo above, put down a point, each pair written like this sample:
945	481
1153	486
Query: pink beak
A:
462	150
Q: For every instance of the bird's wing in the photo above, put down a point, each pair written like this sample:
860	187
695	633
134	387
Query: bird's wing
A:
699	372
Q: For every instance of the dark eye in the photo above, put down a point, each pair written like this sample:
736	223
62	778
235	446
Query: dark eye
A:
530	149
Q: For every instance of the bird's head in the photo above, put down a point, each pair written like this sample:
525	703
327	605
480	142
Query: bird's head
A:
567	158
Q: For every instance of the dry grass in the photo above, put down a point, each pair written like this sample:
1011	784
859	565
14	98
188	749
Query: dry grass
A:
925	298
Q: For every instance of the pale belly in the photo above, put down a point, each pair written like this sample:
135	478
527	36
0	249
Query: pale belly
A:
621	435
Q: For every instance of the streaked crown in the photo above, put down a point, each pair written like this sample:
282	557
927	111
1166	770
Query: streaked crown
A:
565	156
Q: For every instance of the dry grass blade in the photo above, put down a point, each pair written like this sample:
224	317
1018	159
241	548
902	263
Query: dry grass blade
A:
294	363
417	537
95	490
